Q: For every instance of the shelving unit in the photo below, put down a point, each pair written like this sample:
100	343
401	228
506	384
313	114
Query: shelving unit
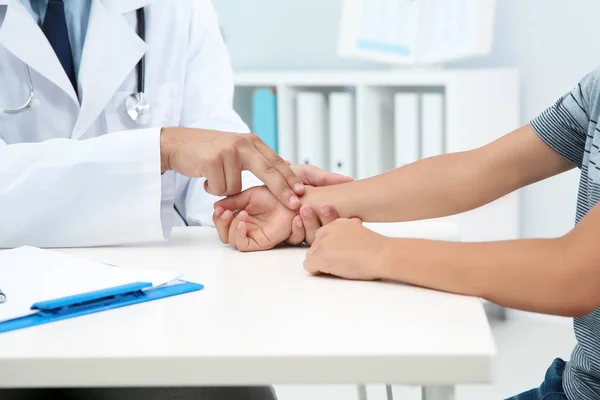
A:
480	105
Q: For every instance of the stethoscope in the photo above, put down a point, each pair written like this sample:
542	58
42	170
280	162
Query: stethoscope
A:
136	105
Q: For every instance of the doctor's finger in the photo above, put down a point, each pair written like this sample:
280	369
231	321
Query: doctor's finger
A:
298	233
277	175
215	179
233	173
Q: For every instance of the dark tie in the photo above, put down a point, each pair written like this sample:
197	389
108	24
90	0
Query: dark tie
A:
55	29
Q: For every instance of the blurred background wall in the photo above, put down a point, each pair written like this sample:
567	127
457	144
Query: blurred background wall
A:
553	43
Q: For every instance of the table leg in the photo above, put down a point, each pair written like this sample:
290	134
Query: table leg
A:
362	392
494	311
438	393
389	393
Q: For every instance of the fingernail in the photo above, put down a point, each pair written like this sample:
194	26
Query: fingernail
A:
294	200
218	212
326	210
299	224
224	216
307	212
298	187
239	226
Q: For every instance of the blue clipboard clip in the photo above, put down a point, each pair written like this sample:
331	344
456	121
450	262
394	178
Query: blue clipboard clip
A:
97	301
92	300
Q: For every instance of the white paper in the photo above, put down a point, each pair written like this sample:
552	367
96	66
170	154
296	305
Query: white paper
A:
29	275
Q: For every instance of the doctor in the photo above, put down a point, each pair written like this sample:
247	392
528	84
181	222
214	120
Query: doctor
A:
136	69
107	108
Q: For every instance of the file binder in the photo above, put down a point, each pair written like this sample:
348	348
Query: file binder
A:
407	146
432	124
264	116
341	134
311	124
44	286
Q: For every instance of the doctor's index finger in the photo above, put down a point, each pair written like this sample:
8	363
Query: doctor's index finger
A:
276	174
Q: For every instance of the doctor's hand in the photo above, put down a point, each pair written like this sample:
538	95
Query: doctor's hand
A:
221	157
346	249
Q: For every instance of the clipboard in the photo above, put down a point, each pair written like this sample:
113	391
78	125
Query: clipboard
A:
44	286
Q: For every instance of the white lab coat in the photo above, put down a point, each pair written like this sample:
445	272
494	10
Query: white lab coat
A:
84	174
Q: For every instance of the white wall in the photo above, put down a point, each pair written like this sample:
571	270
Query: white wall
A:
553	42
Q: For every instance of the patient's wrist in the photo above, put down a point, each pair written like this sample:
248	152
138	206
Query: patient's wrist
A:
330	196
314	197
343	199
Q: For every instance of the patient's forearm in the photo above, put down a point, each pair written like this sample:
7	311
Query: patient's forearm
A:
448	184
431	188
524	274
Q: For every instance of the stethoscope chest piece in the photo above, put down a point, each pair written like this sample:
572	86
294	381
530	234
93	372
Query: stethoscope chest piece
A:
138	108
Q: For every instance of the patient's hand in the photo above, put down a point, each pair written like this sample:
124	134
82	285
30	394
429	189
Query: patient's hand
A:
261	222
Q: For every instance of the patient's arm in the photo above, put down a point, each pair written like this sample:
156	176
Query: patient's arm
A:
430	188
447	184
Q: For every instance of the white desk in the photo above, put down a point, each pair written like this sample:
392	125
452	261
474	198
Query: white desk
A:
261	319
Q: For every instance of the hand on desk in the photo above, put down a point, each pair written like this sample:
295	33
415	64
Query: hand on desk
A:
345	249
259	222
255	220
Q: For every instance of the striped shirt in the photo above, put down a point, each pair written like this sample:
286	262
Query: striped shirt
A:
569	127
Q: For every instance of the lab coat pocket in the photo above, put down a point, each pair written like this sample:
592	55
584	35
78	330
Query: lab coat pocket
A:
163	103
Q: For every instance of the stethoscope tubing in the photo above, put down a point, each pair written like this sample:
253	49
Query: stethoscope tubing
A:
141	71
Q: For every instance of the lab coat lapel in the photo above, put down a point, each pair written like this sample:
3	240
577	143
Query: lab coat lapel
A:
21	35
111	51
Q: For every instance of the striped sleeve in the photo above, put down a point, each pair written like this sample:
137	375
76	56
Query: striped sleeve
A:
563	126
